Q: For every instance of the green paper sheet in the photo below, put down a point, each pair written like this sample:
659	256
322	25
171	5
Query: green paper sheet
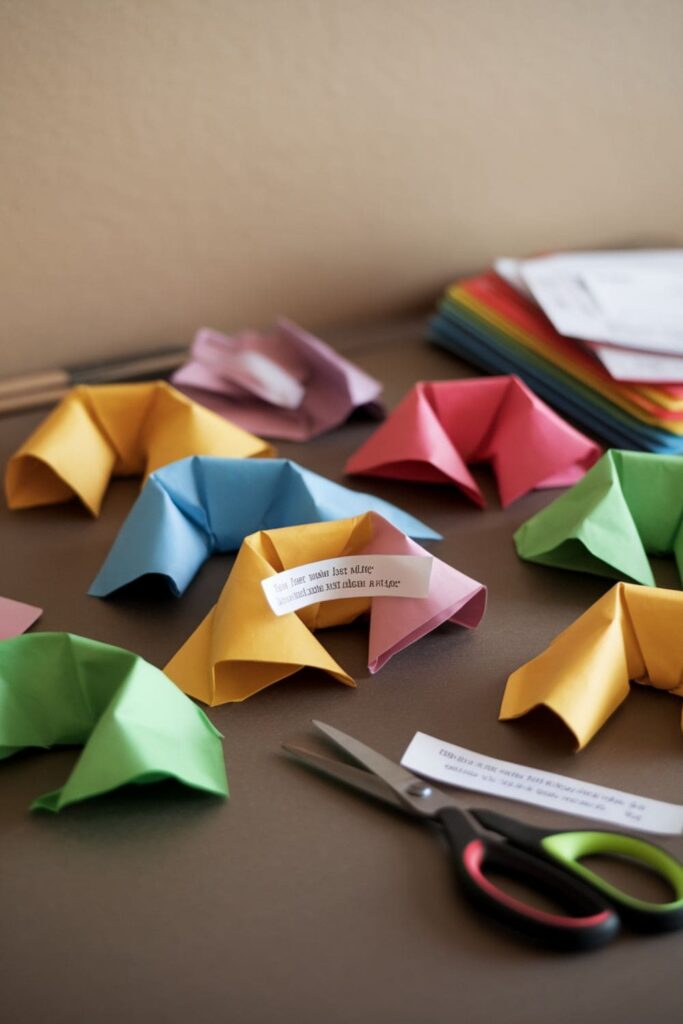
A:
628	506
133	723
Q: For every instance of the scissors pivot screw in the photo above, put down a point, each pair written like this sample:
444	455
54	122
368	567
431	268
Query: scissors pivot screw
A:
419	789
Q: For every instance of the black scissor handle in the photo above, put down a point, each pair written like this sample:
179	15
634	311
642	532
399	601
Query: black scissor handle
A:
568	847
590	922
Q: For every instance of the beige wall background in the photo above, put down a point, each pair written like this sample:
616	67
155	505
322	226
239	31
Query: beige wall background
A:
171	163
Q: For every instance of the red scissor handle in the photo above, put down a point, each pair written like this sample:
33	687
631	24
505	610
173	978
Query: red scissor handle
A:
589	921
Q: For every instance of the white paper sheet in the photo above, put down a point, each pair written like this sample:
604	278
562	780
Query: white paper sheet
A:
457	766
631	299
639	367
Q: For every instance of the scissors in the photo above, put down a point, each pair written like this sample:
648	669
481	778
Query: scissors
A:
547	861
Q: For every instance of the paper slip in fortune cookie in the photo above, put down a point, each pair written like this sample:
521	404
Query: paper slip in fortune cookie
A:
97	432
283	383
242	645
632	633
441	427
628	506
57	689
192	508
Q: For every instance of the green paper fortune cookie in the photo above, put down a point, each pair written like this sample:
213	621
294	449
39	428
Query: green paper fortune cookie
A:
134	724
628	506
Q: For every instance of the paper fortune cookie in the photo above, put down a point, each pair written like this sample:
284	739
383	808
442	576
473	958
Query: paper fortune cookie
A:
102	431
242	646
629	505
133	724
632	633
441	427
192	508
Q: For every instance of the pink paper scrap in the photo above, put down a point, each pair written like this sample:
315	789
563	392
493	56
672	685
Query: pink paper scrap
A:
16	617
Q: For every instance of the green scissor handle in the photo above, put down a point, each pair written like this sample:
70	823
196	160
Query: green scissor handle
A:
569	848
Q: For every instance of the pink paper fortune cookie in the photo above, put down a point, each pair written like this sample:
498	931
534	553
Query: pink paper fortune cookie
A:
441	427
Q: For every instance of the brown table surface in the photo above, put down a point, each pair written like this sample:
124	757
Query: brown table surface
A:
298	901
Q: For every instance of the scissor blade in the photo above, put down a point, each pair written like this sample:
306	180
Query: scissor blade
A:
393	774
358	778
413	793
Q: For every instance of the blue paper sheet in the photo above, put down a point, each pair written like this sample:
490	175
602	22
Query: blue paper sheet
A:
192	508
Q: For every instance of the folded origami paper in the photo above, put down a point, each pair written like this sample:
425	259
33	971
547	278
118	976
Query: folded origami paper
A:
16	617
629	505
242	646
283	383
116	430
56	688
440	426
193	508
631	633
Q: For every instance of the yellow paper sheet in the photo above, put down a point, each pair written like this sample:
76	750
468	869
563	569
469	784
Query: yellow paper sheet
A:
116	430
631	633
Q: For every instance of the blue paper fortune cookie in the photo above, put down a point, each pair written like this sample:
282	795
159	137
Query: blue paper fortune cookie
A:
193	508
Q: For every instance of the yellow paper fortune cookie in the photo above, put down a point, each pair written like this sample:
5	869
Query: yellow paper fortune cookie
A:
242	646
633	633
102	431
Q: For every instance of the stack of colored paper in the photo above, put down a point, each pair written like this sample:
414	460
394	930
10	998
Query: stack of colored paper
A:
488	322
